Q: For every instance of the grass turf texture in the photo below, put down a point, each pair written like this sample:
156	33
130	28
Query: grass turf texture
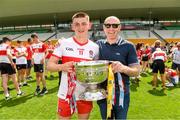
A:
145	103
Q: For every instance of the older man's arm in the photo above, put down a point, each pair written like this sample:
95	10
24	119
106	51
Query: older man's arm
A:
131	71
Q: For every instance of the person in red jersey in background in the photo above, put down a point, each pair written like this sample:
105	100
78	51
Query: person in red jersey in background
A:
49	51
39	50
172	77
21	63
146	53
29	58
158	58
7	68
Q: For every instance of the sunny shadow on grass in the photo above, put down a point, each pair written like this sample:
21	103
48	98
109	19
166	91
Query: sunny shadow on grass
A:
157	92
15	101
146	103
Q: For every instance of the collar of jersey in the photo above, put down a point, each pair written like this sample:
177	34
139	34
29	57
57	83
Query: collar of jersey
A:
81	44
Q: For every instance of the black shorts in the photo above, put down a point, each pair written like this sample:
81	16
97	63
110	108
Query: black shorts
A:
145	58
21	66
175	66
6	68
158	65
14	61
151	65
29	64
39	68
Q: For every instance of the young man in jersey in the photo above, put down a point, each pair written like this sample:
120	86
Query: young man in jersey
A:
39	50
49	51
172	77
0	64
29	59
158	58
8	68
176	58
21	62
74	49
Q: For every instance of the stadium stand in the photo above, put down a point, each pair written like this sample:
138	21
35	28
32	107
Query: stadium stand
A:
42	36
135	36
169	33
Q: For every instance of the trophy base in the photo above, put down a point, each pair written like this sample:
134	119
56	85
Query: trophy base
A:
93	95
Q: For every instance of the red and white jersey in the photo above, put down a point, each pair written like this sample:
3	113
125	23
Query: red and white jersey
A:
13	51
22	59
176	56
159	55
38	52
173	75
171	72
29	52
71	50
4	51
146	52
50	49
139	53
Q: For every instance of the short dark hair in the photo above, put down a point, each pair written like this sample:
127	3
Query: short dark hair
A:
1	41
5	39
29	40
34	35
80	15
19	41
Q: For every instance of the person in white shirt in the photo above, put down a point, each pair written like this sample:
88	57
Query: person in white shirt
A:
172	77
7	68
21	63
74	49
158	58
176	58
39	49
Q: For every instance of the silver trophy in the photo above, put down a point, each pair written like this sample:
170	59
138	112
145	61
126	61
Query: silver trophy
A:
90	74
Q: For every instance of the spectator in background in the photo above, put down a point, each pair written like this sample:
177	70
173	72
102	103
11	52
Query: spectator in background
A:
13	50
139	51
172	77
39	50
158	58
49	51
139	54
7	68
21	63
146	52
29	58
157	44
0	67
176	58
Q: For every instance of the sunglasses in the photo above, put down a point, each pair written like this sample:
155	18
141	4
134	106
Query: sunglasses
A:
113	25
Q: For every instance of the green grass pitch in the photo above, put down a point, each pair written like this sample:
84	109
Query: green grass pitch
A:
144	104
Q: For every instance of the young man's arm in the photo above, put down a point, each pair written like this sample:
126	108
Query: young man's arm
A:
55	67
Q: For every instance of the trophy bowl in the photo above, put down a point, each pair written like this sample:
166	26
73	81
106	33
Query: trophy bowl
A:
90	74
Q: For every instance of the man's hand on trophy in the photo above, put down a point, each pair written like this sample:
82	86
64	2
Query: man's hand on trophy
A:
118	67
